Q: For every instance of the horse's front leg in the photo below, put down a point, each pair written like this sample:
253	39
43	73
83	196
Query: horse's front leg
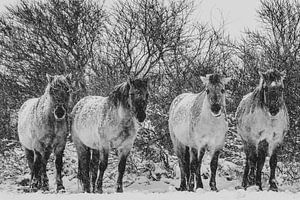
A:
102	167
199	183
59	151
193	167
43	171
123	154
273	165
35	182
261	157
213	169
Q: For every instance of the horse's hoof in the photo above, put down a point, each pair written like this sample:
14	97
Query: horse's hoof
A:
119	190
181	188
240	187
60	188
99	191
274	189
215	189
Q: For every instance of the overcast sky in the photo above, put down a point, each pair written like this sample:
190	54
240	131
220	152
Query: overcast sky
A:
237	14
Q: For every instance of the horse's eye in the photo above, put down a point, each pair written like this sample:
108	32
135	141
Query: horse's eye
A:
207	91
222	91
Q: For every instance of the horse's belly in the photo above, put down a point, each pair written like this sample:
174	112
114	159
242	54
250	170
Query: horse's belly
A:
181	132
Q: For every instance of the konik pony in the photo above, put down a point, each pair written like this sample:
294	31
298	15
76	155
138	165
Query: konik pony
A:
42	127
197	122
100	123
262	122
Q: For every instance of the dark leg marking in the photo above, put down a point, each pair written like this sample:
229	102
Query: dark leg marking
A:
83	167
213	169
121	168
199	183
44	178
261	157
194	167
102	168
252	164
94	167
273	165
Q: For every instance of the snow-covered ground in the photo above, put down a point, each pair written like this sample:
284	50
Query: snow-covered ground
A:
15	176
144	189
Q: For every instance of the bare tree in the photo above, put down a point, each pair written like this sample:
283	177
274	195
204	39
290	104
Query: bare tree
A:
53	36
276	45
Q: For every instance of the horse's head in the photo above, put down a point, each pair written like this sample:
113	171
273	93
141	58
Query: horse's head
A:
138	97
59	90
271	87
215	91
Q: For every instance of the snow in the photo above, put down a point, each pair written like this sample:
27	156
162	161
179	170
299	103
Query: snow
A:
145	195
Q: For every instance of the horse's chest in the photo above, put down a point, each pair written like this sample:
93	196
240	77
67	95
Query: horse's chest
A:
210	132
260	126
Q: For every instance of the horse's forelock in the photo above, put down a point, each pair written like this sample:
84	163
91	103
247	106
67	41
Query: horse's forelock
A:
215	79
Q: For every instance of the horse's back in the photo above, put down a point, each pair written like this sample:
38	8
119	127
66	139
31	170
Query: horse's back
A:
87	116
26	129
180	117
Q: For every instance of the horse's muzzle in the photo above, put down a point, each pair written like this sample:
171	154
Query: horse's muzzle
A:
59	112
141	116
216	110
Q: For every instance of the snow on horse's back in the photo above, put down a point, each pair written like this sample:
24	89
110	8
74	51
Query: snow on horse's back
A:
262	122
100	123
197	122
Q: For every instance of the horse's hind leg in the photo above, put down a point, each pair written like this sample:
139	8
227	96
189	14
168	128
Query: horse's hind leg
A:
94	168
123	154
213	169
30	159
252	164
84	154
261	157
183	155
199	183
273	164
102	168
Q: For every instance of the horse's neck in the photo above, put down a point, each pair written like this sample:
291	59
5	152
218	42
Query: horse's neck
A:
46	103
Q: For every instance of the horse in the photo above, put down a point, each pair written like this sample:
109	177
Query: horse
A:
197	122
102	123
262	122
43	128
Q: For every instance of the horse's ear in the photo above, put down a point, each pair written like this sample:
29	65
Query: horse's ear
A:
204	80
226	80
283	74
49	78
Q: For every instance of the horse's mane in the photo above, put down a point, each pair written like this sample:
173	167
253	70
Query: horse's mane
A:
120	94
